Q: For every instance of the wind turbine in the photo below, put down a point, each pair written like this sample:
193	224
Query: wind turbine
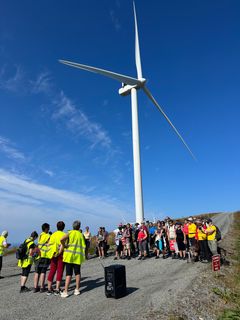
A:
130	85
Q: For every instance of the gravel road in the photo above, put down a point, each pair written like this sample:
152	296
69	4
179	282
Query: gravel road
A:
151	285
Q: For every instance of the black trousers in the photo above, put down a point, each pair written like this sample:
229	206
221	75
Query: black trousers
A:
204	250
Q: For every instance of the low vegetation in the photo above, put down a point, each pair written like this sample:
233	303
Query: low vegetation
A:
229	285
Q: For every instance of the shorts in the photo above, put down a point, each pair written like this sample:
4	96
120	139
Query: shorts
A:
70	267
41	265
181	245
128	245
26	271
119	248
192	242
101	244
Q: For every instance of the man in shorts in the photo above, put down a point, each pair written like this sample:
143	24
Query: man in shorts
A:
73	256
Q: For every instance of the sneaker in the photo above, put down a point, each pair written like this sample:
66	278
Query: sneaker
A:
49	292
164	257
42	290
184	258
35	290
204	261
129	258
157	257
144	258
57	292
1	277
76	292
115	258
64	294
140	258
24	289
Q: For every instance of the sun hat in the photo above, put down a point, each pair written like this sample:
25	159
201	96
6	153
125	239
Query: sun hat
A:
4	233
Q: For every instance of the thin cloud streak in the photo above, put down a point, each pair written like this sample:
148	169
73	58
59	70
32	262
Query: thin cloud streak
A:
13	82
42	84
78	123
7	147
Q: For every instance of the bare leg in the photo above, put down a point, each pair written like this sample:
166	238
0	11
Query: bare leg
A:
78	279
23	281
36	279
42	280
67	283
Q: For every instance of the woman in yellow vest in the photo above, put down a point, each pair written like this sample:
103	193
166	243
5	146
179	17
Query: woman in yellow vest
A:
202	241
42	263
26	264
3	245
55	253
73	256
211	237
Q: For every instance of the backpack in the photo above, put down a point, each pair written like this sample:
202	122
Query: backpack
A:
218	234
21	252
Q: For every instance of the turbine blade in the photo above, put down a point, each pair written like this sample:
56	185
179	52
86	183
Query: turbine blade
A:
116	76
137	49
148	93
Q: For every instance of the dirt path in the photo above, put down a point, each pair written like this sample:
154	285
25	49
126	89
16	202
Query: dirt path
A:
153	285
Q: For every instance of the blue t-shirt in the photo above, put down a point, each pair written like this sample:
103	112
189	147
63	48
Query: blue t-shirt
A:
152	230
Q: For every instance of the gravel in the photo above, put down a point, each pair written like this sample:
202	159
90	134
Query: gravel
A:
156	290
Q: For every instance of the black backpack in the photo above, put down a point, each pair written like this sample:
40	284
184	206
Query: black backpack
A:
218	234
21	252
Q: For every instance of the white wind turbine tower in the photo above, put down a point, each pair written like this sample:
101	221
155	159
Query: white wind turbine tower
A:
131	85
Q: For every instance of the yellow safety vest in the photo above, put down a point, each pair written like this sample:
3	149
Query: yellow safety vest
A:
54	244
29	260
75	249
2	239
192	228
42	244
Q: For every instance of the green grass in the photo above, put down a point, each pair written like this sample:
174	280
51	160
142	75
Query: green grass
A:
231	293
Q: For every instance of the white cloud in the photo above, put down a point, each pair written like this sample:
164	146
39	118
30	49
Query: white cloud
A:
12	81
7	147
29	204
42	84
48	172
78	122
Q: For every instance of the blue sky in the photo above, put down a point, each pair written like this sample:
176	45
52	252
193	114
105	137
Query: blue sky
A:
65	134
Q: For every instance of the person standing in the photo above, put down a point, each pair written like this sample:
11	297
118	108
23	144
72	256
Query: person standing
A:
181	240
100	243
87	237
172	239
158	240
127	235
27	262
73	256
211	237
142	242
42	263
55	253
3	245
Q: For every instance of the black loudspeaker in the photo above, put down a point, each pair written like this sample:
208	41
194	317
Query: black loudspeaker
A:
115	281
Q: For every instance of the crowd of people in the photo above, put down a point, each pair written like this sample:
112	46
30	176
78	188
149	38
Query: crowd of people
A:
194	239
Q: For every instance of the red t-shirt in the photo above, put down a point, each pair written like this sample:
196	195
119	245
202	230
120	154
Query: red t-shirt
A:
141	235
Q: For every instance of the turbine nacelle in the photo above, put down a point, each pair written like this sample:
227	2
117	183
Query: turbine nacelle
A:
126	88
